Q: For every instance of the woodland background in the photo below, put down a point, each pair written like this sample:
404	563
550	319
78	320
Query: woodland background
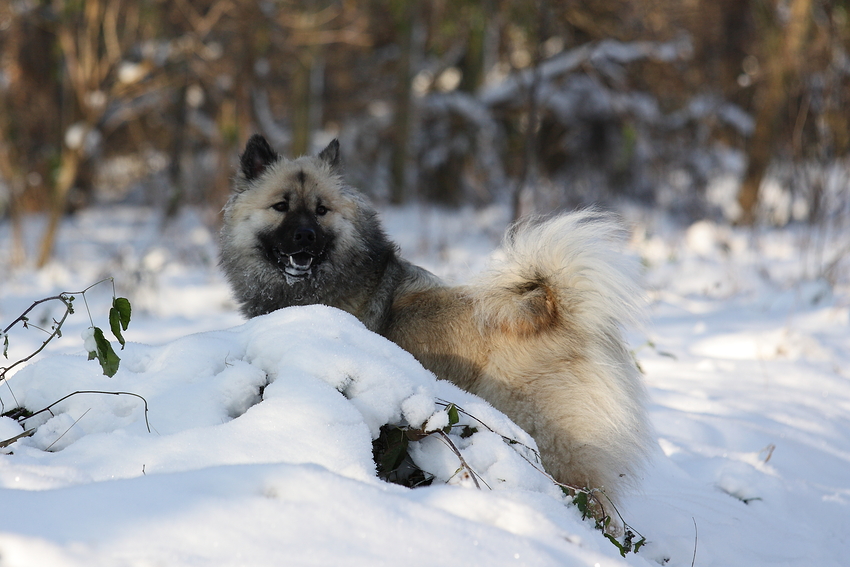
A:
734	110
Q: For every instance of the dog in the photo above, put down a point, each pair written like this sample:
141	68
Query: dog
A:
539	335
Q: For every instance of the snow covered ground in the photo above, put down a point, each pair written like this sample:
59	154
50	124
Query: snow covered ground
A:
745	353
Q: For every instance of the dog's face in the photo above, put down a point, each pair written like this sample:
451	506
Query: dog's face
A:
291	214
295	234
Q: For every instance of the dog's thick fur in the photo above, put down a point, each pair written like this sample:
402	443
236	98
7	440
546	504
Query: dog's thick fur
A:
538	336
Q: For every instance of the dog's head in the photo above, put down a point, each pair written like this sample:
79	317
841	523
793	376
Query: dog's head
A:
289	212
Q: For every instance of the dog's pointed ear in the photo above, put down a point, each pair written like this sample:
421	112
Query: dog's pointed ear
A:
330	155
258	155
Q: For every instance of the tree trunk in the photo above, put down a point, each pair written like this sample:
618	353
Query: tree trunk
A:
781	66
178	139
67	175
402	117
16	189
528	176
301	103
19	253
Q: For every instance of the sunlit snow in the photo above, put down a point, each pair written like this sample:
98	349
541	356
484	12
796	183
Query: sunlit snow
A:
259	450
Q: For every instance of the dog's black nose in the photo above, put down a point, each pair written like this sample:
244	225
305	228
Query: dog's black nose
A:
304	235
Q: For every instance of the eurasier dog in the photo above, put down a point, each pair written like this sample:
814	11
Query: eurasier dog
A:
538	335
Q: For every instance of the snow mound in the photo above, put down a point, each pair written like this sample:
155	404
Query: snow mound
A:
277	415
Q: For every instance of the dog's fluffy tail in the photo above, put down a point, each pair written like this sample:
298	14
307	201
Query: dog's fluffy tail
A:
569	264
560	294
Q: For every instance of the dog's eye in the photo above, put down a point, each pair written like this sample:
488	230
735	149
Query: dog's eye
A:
281	207
321	210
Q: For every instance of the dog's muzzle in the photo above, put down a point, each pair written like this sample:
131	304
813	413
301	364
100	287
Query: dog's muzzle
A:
296	252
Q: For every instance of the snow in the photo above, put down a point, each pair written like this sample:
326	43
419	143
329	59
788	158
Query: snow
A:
259	450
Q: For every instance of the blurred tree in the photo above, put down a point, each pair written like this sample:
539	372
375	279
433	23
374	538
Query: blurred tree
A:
780	47
454	101
406	16
186	28
29	114
306	29
93	38
462	44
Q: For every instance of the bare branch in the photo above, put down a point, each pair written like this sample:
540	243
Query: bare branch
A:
62	399
202	25
67	298
7	442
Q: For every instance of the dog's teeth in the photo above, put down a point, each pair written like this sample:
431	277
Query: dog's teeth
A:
300	265
297	267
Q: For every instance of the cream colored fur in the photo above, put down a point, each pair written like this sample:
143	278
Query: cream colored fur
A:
539	336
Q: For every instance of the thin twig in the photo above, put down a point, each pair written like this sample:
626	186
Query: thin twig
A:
66	297
696	540
56	332
463	462
147	423
61	297
67	430
592	493
508	440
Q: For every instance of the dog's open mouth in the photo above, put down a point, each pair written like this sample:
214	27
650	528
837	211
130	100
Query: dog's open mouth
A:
296	265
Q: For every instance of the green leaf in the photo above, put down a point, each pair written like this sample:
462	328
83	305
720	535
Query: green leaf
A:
6	346
105	355
454	417
115	325
119	318
582	504
122	305
396	452
619	545
639	544
393	463
468	431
